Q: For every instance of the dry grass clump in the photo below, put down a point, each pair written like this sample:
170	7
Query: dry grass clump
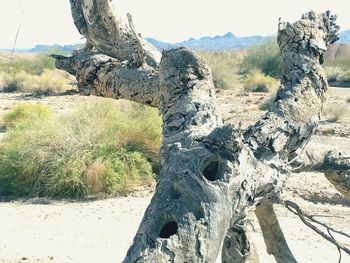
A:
256	81
338	76
334	112
48	80
33	74
224	67
98	149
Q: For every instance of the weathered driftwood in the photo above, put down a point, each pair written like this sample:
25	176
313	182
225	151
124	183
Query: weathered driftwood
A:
101	75
334	163
104	32
116	61
211	173
275	242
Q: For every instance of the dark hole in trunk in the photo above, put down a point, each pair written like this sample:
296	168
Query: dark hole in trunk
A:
168	230
211	172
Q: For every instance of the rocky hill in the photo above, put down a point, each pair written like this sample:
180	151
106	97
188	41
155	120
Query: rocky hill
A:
227	42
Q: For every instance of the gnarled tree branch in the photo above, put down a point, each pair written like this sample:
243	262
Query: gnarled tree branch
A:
296	112
307	219
116	61
329	160
238	245
292	119
106	33
101	75
210	172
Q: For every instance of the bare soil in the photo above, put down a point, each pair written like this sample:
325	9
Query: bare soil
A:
42	230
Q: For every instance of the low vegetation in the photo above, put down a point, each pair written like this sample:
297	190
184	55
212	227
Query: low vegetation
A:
34	65
48	81
256	69
224	67
24	115
334	111
264	57
255	81
33	74
338	74
113	146
103	148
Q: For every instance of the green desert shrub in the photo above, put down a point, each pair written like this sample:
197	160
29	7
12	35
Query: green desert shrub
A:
256	81
224	67
100	149
338	75
264	57
33	66
25	114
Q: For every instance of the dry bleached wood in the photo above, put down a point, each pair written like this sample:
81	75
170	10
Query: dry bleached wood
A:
101	75
273	236
335	164
211	173
207	176
97	22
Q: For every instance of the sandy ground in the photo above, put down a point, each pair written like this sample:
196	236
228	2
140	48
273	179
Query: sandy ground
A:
98	231
41	230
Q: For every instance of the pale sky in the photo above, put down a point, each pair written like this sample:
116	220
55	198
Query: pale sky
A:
50	22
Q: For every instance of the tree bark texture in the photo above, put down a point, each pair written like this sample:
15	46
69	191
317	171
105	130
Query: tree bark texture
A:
101	75
238	244
211	173
334	163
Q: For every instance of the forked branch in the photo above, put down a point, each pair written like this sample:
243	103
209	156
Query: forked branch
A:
97	21
307	219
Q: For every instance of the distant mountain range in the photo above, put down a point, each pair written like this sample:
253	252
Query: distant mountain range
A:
47	48
227	42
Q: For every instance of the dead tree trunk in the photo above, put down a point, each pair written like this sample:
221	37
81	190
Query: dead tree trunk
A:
211	173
